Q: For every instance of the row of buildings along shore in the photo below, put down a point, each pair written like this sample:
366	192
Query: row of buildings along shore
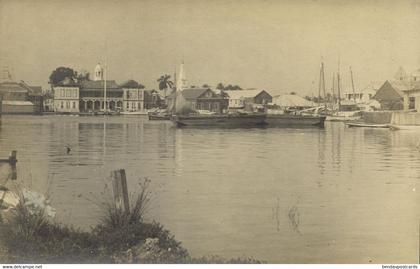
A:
402	92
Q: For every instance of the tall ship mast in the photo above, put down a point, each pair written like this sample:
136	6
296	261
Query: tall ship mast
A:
321	85
332	90
352	85
105	104
338	86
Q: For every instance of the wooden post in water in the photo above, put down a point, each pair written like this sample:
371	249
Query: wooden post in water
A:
12	160
119	187
12	157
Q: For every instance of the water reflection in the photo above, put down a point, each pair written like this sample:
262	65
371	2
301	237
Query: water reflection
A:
283	195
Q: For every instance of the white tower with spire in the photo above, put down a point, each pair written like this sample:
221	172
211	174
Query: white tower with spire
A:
98	74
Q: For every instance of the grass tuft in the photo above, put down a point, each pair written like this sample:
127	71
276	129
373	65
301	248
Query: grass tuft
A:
28	235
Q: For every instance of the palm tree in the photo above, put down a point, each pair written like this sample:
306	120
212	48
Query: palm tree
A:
165	83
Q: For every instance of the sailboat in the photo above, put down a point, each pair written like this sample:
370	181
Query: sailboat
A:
183	116
159	115
345	111
300	118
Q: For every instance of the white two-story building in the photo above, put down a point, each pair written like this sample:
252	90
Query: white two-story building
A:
89	95
133	96
66	97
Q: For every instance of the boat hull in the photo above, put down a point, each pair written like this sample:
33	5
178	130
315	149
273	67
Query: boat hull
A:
404	127
343	118
248	120
159	117
133	113
285	120
368	125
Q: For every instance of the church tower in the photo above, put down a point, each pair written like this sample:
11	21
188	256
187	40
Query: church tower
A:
98	74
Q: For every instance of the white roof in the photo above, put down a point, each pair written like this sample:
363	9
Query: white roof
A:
291	100
239	94
17	103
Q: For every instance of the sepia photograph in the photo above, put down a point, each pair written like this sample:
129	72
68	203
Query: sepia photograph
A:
209	132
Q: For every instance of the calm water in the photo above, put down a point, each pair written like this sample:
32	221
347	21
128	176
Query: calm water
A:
333	195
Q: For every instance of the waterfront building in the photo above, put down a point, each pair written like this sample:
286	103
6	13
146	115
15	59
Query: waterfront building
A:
92	93
48	101
401	93
89	95
412	96
20	98
364	95
240	98
390	95
292	101
152	99
201	99
66	96
92	96
133	96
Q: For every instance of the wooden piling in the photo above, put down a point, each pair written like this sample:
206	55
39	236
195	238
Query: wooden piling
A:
12	157
12	160
120	190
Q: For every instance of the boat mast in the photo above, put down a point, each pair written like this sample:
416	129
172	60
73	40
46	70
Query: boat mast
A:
338	85
319	83
105	74
323	86
352	85
105	106
333	87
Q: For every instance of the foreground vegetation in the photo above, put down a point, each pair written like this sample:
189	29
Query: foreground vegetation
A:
27	235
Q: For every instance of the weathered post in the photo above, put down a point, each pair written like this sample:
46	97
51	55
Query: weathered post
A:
12	157
119	187
12	162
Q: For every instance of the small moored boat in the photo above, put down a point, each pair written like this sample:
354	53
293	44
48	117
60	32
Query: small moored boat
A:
133	112
368	125
159	116
404	127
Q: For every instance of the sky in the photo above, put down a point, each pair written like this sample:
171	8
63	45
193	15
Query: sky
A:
266	44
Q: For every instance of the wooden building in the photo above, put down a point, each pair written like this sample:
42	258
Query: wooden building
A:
202	99
240	98
152	99
390	95
20	98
